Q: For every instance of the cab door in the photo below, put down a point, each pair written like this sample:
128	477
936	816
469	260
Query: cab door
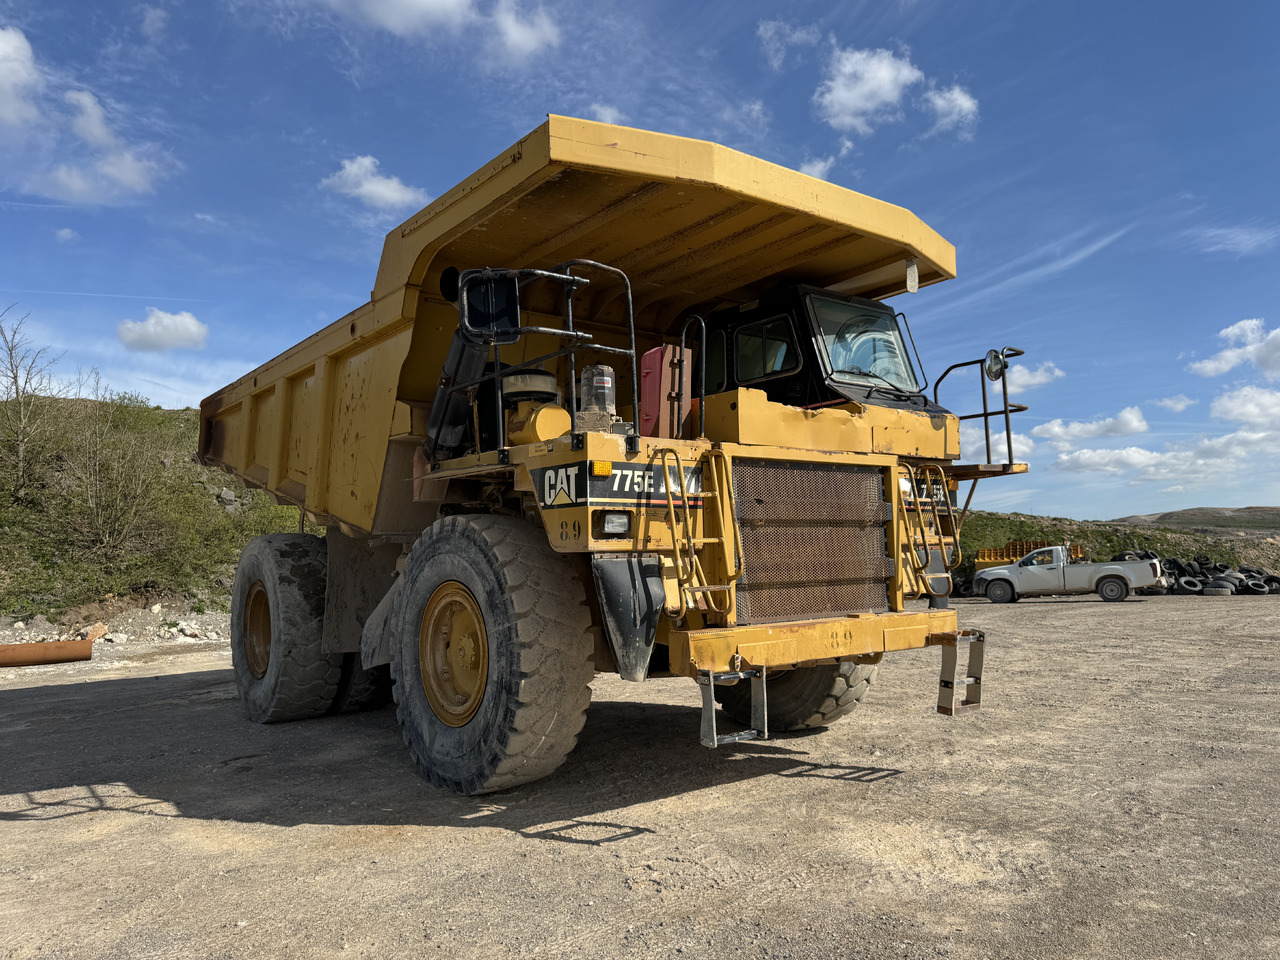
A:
1040	573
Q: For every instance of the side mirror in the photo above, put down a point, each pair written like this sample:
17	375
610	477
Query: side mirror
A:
492	307
994	365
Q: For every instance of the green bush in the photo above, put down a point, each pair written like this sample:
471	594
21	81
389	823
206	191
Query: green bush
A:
124	509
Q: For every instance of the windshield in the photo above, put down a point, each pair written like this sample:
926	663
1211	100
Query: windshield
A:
861	345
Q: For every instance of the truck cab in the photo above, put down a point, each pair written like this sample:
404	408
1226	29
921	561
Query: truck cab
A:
807	347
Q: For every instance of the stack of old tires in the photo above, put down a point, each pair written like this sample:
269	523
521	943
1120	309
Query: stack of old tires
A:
1201	576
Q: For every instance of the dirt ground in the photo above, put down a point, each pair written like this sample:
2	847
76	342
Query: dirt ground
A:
1116	797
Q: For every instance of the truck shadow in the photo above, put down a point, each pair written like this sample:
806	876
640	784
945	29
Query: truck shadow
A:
178	746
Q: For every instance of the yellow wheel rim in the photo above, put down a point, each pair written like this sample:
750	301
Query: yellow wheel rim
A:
453	654
257	629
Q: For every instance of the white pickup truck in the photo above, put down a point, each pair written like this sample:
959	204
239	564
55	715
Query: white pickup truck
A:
1051	571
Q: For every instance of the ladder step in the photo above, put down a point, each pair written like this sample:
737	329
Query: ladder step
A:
724	738
950	683
759	707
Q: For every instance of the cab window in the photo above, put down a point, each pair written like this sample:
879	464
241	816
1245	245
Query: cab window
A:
1040	558
764	349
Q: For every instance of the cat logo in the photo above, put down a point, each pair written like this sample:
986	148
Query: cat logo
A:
560	486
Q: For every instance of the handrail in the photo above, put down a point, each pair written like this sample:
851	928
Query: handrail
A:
919	535
987	413
702	378
576	338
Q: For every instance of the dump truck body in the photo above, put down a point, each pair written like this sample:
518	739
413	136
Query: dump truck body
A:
761	507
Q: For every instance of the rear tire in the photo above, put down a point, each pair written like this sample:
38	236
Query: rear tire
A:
277	618
1113	589
804	698
492	654
1001	591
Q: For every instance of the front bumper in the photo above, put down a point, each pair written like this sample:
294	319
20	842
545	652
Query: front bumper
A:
774	645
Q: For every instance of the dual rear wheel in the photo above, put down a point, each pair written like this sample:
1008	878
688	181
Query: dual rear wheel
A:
277	619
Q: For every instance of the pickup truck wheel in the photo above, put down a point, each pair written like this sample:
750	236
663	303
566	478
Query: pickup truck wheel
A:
1001	591
1113	589
491	660
804	698
277	617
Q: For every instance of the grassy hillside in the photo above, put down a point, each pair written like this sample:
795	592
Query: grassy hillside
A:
114	503
1256	544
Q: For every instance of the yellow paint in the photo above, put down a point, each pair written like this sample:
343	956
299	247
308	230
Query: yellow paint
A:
786	644
748	416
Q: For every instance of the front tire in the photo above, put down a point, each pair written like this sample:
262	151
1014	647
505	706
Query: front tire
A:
803	698
492	657
1113	589
277	619
1001	591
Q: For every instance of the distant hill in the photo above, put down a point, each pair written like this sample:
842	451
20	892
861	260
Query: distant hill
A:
1262	519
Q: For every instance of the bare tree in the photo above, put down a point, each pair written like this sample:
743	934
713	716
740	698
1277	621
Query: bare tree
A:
27	410
112	470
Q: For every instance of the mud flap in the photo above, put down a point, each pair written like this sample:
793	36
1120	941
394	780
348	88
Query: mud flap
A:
375	639
631	600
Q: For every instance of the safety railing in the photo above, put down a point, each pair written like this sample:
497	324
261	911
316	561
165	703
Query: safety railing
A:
497	335
994	367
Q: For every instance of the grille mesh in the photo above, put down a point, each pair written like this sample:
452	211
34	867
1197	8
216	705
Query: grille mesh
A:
813	540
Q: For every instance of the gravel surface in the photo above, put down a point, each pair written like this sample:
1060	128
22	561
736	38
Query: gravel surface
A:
1116	797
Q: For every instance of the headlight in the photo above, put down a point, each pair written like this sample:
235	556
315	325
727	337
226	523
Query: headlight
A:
617	524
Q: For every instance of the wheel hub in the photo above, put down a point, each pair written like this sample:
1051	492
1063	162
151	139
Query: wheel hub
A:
453	654
257	630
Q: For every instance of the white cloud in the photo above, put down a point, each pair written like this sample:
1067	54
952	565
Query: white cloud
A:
1021	378
407	18
91	123
66	235
154	22
954	108
163	331
973	444
1228	460
76	156
1251	342
359	178
864	87
1064	436
819	168
525	34
1256	406
1109	461
1176	404
19	79
750	118
777	37
1239	241
606	113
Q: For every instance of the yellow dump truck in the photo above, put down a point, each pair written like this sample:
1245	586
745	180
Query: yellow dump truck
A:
620	402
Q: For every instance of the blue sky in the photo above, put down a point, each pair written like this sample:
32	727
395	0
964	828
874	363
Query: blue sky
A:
188	188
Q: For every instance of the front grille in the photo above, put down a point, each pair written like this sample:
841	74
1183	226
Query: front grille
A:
813	540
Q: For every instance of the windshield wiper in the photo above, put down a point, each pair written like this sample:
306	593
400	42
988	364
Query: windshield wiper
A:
895	391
